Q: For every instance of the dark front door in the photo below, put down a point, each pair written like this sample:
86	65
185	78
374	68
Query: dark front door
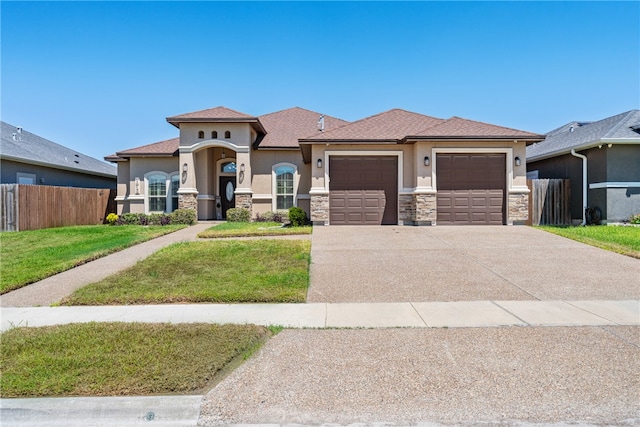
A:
227	194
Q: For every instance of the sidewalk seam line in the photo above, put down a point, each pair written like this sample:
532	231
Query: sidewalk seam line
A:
420	316
512	314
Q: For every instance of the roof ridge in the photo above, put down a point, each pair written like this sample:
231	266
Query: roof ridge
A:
620	123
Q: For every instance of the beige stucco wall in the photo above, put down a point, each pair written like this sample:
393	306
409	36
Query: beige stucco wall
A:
241	133
262	163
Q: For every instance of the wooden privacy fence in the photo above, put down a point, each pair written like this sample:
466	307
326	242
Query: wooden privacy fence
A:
549	201
31	207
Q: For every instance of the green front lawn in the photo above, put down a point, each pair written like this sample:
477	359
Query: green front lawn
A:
621	239
29	256
250	229
209	271
110	359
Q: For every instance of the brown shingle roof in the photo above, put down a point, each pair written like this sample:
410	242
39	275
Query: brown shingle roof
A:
168	147
217	114
212	113
457	127
390	125
285	127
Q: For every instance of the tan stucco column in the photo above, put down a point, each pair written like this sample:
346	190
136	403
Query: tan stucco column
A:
187	193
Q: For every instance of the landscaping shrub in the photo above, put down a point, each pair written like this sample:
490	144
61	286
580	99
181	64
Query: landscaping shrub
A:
297	216
635	219
238	215
112	219
183	216
129	219
277	216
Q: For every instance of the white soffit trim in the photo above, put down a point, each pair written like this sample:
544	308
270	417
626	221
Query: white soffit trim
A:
613	185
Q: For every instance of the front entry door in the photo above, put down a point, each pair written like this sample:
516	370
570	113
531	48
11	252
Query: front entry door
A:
227	194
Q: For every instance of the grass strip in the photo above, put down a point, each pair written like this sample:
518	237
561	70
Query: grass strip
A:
113	359
208	271
29	256
621	239
252	229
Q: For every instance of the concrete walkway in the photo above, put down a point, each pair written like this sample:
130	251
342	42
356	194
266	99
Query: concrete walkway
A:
465	314
536	299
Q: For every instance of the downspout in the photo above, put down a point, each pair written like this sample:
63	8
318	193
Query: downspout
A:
584	184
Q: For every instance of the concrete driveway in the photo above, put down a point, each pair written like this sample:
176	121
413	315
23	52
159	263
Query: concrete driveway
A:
401	264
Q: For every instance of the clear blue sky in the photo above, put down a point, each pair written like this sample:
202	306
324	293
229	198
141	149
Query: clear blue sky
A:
100	77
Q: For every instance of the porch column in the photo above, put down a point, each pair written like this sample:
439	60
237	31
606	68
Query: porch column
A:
187	193
244	193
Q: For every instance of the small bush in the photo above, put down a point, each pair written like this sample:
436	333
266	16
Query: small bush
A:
635	219
238	215
129	219
297	216
159	219
277	216
183	216
112	219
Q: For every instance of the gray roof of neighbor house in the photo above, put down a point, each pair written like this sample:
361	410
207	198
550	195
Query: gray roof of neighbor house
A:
622	128
26	147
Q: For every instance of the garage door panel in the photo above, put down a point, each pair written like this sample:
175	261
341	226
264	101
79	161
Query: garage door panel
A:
471	188
363	189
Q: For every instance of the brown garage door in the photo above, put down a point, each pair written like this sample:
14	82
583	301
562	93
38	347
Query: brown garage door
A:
471	189
363	190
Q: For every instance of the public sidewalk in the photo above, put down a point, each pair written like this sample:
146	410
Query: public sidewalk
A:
467	314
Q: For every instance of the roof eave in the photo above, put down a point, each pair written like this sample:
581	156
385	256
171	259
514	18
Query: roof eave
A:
584	146
528	140
348	141
59	167
253	121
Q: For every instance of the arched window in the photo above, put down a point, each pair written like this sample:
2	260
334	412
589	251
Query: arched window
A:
227	134
228	167
157	192
284	185
162	192
214	134
201	134
173	195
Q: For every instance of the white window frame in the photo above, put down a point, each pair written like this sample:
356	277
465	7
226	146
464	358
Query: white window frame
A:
31	176
274	186
168	196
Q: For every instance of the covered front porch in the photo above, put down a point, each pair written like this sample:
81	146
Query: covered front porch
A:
215	177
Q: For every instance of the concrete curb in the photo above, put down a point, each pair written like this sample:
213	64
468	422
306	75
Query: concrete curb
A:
344	315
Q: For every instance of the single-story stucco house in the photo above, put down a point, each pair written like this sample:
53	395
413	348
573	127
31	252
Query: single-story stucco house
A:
26	158
396	167
605	152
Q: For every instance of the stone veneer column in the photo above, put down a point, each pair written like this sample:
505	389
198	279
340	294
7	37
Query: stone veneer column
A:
320	209
245	201
518	212
188	201
426	209
407	208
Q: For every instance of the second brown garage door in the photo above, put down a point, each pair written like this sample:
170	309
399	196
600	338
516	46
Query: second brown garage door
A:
363	190
471	189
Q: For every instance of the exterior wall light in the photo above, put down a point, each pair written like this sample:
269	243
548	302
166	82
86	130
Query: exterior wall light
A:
185	167
517	161
427	162
242	167
319	163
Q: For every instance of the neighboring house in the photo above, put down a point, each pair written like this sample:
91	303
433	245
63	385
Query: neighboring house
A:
395	167
611	150
26	158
